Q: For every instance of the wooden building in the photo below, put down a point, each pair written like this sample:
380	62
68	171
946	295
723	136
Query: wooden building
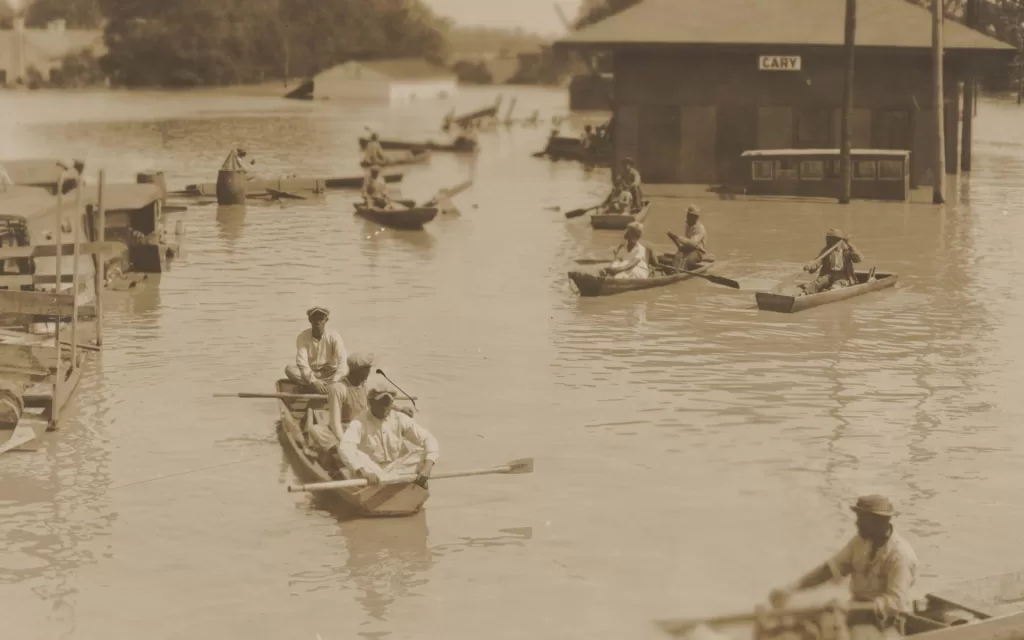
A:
391	81
699	82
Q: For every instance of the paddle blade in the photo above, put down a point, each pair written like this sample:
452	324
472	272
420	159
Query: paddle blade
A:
575	213
523	465
593	261
725	282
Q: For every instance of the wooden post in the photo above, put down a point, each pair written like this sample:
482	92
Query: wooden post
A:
939	190
967	130
99	265
846	130
76	228
59	241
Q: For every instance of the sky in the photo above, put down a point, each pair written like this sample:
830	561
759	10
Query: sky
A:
533	15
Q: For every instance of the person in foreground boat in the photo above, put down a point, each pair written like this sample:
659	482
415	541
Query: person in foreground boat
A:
346	399
319	355
691	248
631	257
373	154
882	568
382	443
836	269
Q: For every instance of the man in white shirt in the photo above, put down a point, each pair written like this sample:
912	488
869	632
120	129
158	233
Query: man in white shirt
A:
320	357
383	444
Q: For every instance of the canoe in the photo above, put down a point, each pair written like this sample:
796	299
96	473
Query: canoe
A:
289	185
398	218
619	220
458	145
991	596
571	148
591	285
383	501
775	300
395	158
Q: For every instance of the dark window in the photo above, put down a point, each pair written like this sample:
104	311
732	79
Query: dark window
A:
762	169
890	169
863	169
814	129
812	169
786	169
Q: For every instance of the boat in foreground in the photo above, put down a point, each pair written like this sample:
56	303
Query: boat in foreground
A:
383	501
395	158
590	285
776	300
413	218
619	221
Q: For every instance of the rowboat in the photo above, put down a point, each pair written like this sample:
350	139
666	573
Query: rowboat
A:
398	218
590	285
458	145
415	156
287	185
619	220
381	501
775	300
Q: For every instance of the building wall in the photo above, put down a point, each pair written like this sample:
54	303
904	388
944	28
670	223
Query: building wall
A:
353	82
717	105
405	91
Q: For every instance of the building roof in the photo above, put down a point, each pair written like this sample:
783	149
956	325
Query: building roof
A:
406	69
880	23
38	172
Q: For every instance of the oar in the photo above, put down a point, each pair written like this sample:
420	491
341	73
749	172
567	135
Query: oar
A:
680	626
380	372
725	282
284	194
794	276
283	396
524	465
575	213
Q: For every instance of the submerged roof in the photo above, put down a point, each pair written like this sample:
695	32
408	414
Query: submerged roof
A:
880	23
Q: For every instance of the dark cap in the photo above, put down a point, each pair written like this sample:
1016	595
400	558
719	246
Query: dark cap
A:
874	504
317	311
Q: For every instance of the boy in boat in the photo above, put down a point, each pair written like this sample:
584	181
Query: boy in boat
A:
631	258
691	247
375	190
382	444
374	153
620	200
346	399
882	568
631	178
319	355
836	269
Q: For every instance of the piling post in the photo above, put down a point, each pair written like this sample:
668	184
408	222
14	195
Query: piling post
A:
99	264
939	189
846	131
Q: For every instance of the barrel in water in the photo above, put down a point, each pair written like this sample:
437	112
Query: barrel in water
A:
154	177
231	186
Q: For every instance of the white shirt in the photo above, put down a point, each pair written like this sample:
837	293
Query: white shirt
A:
312	355
625	256
385	441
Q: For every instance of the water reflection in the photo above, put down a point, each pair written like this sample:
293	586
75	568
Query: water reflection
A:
230	225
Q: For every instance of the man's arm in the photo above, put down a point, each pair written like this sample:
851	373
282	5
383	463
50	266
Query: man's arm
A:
839	565
855	254
340	358
899	580
418	435
348	448
302	359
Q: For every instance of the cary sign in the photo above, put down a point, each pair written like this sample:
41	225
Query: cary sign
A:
778	63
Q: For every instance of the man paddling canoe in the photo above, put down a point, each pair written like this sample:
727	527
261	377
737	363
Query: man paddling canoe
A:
691	247
383	444
882	568
836	269
631	257
319	354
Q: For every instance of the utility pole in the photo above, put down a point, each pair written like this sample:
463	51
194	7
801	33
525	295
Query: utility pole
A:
939	190
970	87
846	130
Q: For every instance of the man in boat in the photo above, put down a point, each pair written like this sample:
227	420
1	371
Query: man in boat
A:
319	355
620	200
373	154
375	190
631	257
690	249
587	139
382	444
631	178
836	269
882	568
346	400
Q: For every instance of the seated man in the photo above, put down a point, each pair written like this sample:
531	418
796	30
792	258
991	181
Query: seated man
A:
691	247
375	190
836	269
319	355
383	444
631	258
587	139
373	154
619	201
346	400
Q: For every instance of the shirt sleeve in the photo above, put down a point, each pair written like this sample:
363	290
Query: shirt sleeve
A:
348	448
855	255
341	358
841	564
302	358
899	580
336	399
698	236
418	435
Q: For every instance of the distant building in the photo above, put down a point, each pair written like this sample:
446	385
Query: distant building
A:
699	82
23	49
395	81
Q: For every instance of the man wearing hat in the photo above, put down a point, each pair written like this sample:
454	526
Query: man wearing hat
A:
690	249
382	444
631	258
346	399
373	154
836	269
375	190
882	568
319	354
631	180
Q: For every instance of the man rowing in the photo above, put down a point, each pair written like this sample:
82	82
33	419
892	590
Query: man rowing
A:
631	180
382	444
836	269
346	400
319	355
375	190
631	257
373	154
690	249
882	568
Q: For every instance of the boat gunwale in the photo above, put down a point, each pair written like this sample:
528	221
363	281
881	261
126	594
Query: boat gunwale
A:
765	299
606	286
618	221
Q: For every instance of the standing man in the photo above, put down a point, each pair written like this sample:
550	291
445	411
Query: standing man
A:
319	354
690	249
375	190
631	178
374	152
882	568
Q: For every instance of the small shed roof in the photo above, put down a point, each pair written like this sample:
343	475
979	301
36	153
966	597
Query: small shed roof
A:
407	69
880	23
124	196
37	171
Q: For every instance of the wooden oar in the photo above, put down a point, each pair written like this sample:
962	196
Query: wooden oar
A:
575	213
525	465
284	396
680	626
725	282
284	194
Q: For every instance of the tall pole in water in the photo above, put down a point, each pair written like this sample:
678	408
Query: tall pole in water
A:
846	131
970	86
76	218
57	240
98	259
939	190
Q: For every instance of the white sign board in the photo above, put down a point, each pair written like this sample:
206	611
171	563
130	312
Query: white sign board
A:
778	63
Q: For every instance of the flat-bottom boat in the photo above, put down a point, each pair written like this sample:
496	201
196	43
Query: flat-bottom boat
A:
458	145
388	500
590	285
619	220
413	218
395	158
777	300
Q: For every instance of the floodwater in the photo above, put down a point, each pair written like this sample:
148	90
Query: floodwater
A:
691	452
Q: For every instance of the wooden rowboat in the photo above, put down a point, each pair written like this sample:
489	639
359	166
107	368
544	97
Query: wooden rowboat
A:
458	145
415	156
289	185
382	501
591	285
776	300
989	597
398	218
619	220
